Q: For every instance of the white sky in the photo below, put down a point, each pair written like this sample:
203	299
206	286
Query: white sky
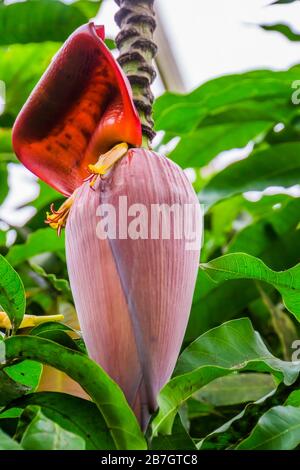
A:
214	37
210	38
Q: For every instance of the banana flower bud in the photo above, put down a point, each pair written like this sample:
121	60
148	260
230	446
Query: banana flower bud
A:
133	222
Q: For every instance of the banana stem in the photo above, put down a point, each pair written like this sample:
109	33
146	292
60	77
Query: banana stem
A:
136	19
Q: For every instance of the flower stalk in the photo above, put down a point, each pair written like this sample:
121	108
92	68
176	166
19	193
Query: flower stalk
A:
136	19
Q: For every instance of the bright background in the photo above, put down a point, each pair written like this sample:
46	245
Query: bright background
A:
214	37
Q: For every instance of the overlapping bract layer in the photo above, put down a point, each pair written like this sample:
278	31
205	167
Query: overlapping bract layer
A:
133	296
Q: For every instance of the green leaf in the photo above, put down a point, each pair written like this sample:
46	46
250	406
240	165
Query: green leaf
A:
272	236
232	214
56	332
226	434
2	238
274	166
110	43
224	214
4	184
42	241
19	379
198	148
283	29
12	293
89	8
5	141
11	413
6	156
27	373
278	109
40	433
277	247
259	236
10	389
21	66
215	303
47	196
293	399
44	328
243	266
60	337
73	414
7	443
42	203
179	439
181	114
61	285
49	20
119	418
231	347
277	429
278	2
234	389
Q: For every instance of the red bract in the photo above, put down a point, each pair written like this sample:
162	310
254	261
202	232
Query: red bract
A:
81	107
133	296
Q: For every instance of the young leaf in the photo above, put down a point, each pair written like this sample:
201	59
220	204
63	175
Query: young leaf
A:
12	293
277	429
243	266
119	418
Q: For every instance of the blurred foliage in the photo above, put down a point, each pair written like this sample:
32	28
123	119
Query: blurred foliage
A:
284	1
46	20
233	387
282	29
